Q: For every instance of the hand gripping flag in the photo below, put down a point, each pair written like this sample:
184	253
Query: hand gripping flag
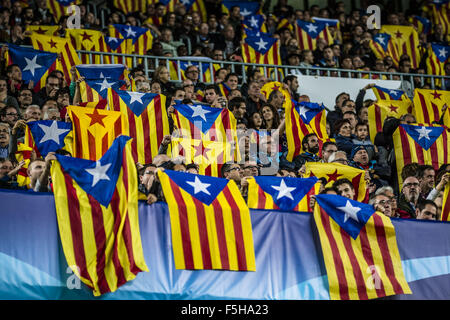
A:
382	46
359	248
420	144
382	109
23	153
48	135
307	34
145	119
281	193
210	222
335	171
94	130
405	40
428	105
97	209
302	119
34	64
389	94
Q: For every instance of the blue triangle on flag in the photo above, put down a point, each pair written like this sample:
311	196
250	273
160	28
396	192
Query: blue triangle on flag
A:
256	33
97	178
102	85
313	29
202	116
349	214
113	43
136	101
393	93
261	44
203	188
187	3
100	71
307	110
33	63
286	192
247	8
48	135
383	40
424	136
254	22
130	32
441	52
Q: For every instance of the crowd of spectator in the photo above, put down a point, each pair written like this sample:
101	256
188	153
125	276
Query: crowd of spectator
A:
421	194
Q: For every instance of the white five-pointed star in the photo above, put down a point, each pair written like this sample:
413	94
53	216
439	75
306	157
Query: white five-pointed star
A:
199	112
32	65
350	211
394	92
130	31
185	2
105	84
443	52
99	172
253	22
284	190
112	39
199	186
245	12
380	39
52	132
423	133
261	44
312	28
302	111
136	96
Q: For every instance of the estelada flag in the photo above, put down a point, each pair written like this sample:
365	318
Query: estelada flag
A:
389	94
281	193
97	210
94	130
189	5
271	86
255	22
58	8
261	50
405	40
445	213
45	30
422	144
145	119
23	153
210	222
382	46
439	13
379	111
87	40
438	57
335	171
47	135
247	8
360	251
302	119
308	32
428	103
35	65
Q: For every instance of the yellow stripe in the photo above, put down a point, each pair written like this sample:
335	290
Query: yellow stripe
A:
212	237
229	231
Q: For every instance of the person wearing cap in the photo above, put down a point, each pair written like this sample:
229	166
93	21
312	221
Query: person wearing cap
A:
360	158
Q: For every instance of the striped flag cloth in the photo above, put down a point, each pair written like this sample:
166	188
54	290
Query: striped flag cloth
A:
382	46
208	155
422	144
97	210
203	68
68	56
382	109
281	193
144	118
427	105
87	40
302	119
34	64
438	57
94	130
445	213
271	86
261	50
247	8
23	153
58	8
439	13
115	45
224	89
422	24
255	23
46	136
45	30
360	250
405	40
210	222
131	6
335	171
189	5
389	94
308	32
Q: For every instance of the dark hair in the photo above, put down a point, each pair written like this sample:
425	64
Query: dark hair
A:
225	168
212	86
192	165
339	124
422	169
231	74
341	182
289	78
422	203
360	124
410	170
306	138
235	103
276	116
328	143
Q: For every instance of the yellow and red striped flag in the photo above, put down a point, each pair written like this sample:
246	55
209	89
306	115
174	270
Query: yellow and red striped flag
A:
382	46
45	30
389	94
58	8
94	130
88	40
438	57
131	6
380	110
302	119
271	86
428	103
97	210
439	13
261	50
445	213
422	144
277	193
145	119
360	250
23	153
68	56
335	171
405	40
210	222
307	34
189	5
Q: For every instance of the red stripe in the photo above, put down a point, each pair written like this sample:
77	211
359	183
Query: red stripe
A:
419	150
405	145
105	145
413	51
295	132
157	109
445	143
76	227
355	182
92	147
317	120
446	209
221	238
378	121
423	104
387	259
184	226
146	148
203	234
100	243
89	93
360	283
338	264
310	42
261	199
238	232
435	109
78	139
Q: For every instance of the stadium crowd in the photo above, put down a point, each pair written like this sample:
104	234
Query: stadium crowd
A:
419	197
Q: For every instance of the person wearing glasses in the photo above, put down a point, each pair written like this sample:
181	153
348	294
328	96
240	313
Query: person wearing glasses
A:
410	195
232	171
381	202
9	115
